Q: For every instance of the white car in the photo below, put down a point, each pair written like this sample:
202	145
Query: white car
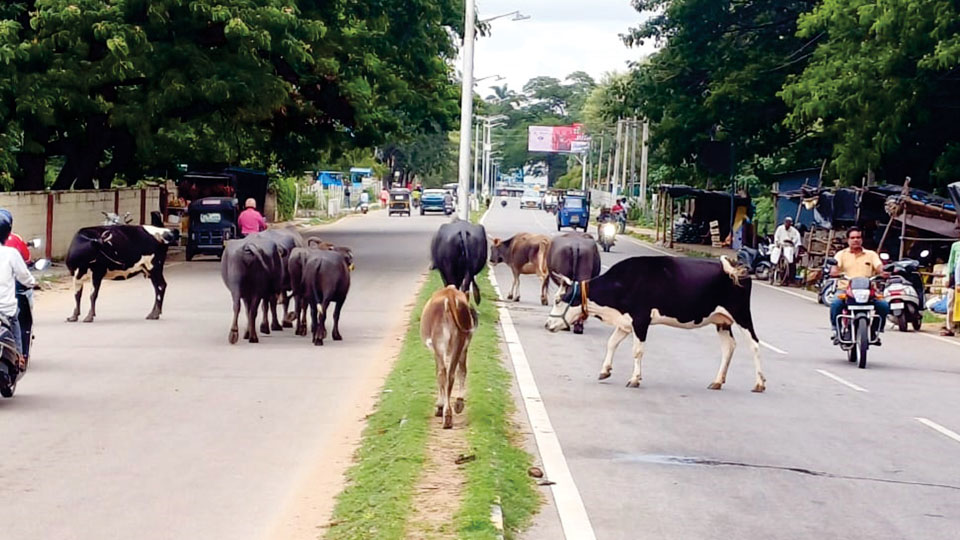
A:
530	199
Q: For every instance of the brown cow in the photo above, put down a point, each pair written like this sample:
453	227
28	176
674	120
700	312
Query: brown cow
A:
446	326
525	253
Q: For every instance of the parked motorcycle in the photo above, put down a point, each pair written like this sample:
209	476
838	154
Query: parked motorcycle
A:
606	235
827	285
858	324
110	218
12	363
904	291
757	261
783	256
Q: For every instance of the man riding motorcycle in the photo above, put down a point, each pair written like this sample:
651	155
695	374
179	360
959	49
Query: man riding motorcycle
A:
787	233
854	261
13	269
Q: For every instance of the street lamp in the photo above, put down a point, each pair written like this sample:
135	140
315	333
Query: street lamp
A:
517	16
466	101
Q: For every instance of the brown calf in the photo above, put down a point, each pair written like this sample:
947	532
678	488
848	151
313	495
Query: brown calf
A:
525	253
446	326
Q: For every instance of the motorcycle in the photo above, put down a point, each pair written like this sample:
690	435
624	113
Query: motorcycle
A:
110	218
904	291
827	285
364	208
606	235
757	261
858	324
783	256
13	363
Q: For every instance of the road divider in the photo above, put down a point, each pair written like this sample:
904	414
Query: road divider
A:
937	427
841	380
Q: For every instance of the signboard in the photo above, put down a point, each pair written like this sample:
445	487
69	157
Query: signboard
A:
558	139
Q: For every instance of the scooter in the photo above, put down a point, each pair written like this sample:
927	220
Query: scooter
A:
858	324
606	235
783	257
904	291
13	364
110	218
757	261
364	208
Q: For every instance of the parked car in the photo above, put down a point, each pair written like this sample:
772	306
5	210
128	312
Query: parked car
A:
436	200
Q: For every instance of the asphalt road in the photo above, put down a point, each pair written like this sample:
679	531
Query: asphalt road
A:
811	458
128	428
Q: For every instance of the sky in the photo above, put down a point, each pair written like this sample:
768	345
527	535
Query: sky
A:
560	37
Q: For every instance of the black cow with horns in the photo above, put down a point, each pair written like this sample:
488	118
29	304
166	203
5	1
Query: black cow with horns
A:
642	291
114	251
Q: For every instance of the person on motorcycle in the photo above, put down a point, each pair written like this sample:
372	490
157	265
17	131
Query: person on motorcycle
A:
13	269
787	232
854	261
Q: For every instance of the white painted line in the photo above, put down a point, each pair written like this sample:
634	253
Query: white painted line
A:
772	348
650	246
786	291
842	381
573	515
933	425
953	342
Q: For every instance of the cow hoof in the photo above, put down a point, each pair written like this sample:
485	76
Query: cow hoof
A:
448	421
509	297
715	386
633	384
73	318
246	335
516	298
287	324
254	339
577	329
458	406
276	327
88	318
337	337
603	376
543	302
233	337
439	411
759	388
265	329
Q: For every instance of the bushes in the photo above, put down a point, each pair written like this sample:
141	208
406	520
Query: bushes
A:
286	190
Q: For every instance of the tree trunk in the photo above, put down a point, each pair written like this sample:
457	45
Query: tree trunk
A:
32	171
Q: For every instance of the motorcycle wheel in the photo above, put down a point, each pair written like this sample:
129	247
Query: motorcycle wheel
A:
863	341
902	321
606	248
917	321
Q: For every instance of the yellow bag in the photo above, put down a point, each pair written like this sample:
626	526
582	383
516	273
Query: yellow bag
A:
956	304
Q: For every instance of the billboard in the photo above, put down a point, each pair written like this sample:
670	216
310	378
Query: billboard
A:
558	139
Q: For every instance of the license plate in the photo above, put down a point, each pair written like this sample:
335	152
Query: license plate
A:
896	305
574	219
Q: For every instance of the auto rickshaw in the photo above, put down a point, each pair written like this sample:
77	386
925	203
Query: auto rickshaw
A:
573	210
211	222
399	202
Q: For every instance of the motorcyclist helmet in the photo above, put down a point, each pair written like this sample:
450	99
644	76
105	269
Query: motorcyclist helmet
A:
6	225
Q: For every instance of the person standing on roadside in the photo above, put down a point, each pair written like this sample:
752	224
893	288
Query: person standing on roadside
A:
953	283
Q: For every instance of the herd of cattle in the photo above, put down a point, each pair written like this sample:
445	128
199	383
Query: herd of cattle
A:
277	266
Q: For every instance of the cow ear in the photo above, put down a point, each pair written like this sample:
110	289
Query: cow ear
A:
562	278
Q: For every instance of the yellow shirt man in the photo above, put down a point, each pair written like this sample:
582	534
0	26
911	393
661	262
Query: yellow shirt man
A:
864	264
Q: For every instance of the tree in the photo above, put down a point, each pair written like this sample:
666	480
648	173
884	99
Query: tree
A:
119	87
882	89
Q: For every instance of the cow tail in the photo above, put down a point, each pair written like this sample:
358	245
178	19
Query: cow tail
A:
736	273
461	311
258	253
542	257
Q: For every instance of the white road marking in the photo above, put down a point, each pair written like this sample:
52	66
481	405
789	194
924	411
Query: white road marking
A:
786	291
573	515
935	426
650	246
842	381
772	348
953	342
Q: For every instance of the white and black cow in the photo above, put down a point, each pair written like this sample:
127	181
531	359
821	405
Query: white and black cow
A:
118	251
642	291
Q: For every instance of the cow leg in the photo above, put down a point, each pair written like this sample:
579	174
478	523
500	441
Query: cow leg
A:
461	368
727	346
298	312
275	324
448	391
234	331
578	327
288	317
265	323
159	290
634	380
97	280
440	356
77	294
476	290
253	305
745	321
544	289
322	321
336	321
619	334
515	286
313	321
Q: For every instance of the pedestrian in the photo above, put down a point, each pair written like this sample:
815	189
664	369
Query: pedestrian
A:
250	220
346	195
953	285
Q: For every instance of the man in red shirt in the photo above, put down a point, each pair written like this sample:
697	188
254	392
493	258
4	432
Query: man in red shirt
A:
250	220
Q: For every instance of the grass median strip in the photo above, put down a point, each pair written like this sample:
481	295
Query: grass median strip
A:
379	496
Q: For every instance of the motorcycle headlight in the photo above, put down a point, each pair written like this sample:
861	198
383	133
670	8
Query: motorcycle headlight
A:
862	296
609	229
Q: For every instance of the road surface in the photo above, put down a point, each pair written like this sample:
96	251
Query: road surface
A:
829	451
128	428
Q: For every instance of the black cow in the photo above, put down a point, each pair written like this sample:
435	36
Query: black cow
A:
679	292
118	251
286	239
573	255
459	251
250	268
320	276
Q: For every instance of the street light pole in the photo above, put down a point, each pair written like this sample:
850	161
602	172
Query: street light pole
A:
466	109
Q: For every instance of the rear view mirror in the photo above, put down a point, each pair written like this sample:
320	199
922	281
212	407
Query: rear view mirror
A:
885	256
36	242
42	264
831	261
924	253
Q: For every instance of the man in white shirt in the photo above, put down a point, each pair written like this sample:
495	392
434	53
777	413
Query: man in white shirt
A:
12	270
787	232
